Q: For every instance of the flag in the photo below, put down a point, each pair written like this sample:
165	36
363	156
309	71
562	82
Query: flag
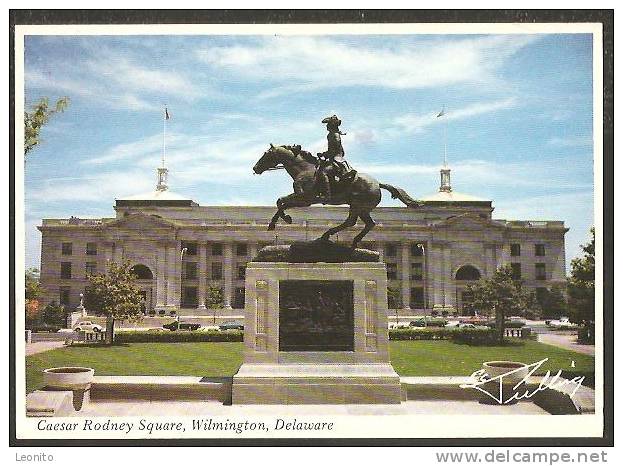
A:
166	114
442	113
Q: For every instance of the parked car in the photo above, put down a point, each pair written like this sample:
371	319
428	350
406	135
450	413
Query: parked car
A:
43	327
563	322
231	326
87	326
429	322
175	325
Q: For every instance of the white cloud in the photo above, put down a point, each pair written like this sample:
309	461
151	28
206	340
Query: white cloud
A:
417	122
309	63
571	141
112	78
102	187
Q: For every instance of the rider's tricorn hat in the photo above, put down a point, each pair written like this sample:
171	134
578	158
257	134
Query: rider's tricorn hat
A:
332	119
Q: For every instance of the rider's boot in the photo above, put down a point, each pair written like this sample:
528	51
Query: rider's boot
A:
324	189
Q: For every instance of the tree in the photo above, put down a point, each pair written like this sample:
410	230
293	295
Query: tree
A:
214	300
499	295
115	295
33	287
32	293
581	285
37	118
553	302
54	314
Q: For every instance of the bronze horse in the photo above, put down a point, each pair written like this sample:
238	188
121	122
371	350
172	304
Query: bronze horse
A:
363	194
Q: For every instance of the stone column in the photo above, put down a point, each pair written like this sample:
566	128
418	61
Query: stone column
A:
405	275
202	274
228	259
380	247
161	276
173	275
117	252
449	285
435	259
252	250
108	253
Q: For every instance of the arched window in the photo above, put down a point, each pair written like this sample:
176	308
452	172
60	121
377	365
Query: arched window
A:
142	272
467	272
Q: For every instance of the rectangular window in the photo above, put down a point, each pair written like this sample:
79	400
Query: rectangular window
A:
191	248
217	249
91	249
241	249
417	249
515	250
90	268
217	271
63	295
516	270
65	269
417	272
238	298
189	296
190	270
539	250
392	271
539	272
242	269
391	250
66	249
417	298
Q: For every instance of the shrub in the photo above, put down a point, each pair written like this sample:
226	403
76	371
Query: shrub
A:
142	336
471	336
421	333
586	335
476	336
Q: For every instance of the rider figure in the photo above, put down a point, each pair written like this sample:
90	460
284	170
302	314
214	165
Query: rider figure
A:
334	156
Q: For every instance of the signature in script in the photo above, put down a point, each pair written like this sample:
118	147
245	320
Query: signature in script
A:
520	390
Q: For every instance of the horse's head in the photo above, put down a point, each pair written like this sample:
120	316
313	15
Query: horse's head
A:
270	159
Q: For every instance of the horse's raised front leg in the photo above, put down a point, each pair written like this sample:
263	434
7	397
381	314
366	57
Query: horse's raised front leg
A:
350	221
283	203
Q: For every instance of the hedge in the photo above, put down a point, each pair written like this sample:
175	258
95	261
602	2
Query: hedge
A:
183	336
474	336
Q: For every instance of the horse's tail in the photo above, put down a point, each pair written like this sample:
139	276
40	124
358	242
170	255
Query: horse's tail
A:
399	193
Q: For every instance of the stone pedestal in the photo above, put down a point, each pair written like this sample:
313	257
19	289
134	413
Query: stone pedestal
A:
316	333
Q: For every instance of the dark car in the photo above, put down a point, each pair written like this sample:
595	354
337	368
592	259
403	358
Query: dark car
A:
43	327
175	325
231	326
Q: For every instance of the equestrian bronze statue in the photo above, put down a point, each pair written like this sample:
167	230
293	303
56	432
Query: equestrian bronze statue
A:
327	179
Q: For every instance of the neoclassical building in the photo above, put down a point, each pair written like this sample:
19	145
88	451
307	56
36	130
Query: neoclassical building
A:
180	249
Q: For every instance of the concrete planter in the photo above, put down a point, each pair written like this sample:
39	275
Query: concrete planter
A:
68	378
498	368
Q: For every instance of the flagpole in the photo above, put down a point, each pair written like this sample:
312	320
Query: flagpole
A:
445	142
164	135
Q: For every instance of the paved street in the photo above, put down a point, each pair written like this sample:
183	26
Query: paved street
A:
566	341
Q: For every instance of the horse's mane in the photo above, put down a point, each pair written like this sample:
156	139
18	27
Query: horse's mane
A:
307	156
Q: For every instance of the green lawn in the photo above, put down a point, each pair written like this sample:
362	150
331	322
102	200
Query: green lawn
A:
409	358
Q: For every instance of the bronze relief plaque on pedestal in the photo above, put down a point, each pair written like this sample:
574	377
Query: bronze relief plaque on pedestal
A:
316	315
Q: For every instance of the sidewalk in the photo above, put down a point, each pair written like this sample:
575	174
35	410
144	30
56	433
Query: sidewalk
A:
41	346
566	341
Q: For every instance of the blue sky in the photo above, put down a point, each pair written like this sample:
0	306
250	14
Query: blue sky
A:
519	118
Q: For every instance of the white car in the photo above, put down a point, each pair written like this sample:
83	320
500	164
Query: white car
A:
562	322
87	326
